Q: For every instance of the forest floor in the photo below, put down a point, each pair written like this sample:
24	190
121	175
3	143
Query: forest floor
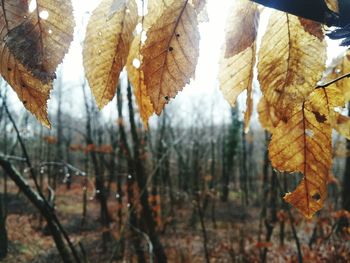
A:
232	238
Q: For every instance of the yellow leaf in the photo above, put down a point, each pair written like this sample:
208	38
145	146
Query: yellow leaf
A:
170	53
291	61
135	73
136	78
303	144
344	84
238	56
267	115
106	47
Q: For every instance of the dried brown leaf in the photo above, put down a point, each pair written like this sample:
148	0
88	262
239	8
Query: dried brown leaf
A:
170	53
31	91
43	37
35	43
106	47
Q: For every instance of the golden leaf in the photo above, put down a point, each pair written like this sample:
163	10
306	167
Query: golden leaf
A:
135	74
238	58
170	53
291	61
267	115
303	144
136	78
106	47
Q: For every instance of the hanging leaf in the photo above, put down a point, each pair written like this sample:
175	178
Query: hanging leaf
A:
238	58
135	73
31	91
291	61
42	38
170	53
106	47
303	144
136	78
33	48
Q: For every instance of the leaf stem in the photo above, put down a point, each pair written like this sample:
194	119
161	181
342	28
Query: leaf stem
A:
347	75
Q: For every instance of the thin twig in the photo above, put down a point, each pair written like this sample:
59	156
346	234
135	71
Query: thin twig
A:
325	85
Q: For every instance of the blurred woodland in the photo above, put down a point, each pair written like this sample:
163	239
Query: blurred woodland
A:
191	187
116	192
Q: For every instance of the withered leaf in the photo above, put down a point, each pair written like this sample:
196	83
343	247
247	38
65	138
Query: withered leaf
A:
303	144
136	77
43	36
31	91
170	53
106	47
291	61
238	56
29	58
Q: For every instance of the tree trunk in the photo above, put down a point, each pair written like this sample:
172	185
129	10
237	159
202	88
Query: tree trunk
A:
39	203
142	184
101	193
